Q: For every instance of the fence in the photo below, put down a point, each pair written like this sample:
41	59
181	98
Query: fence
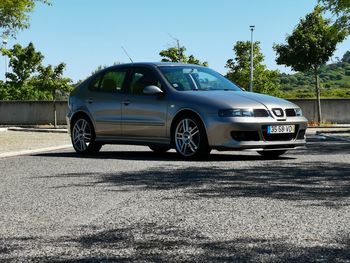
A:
32	112
333	110
41	112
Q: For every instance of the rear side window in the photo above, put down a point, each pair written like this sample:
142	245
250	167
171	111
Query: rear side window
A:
111	81
95	84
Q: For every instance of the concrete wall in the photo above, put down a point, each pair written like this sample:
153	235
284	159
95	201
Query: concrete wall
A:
31	112
41	112
333	110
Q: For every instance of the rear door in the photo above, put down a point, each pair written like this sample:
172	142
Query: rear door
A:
104	101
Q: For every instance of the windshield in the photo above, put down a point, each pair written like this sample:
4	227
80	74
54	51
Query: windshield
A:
185	78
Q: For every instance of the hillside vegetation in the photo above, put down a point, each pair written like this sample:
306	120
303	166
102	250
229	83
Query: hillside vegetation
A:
335	82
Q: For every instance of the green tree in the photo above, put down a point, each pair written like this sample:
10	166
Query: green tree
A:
14	14
310	46
265	81
24	62
174	54
51	80
29	79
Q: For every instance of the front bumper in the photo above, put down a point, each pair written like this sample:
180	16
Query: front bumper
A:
240	133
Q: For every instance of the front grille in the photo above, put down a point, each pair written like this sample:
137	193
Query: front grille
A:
245	136
278	112
290	113
260	113
279	137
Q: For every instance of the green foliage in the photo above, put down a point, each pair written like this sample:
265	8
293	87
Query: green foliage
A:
265	81
346	57
341	9
29	80
23	61
51	80
335	79
311	44
173	54
14	14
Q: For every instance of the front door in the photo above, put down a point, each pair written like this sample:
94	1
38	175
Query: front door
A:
143	116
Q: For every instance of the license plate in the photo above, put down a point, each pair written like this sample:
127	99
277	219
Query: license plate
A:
272	129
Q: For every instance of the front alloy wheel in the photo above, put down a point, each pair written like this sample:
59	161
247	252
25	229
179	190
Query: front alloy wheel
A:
83	137
190	138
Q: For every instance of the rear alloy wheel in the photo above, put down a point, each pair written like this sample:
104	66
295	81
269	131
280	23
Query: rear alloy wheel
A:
83	137
159	149
272	154
190	138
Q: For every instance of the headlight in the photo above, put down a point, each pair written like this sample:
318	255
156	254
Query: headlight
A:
236	113
298	112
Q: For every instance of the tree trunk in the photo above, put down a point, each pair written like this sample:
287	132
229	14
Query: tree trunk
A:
318	95
54	108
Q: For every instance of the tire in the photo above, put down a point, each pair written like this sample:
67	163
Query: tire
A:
272	154
83	137
189	138
159	149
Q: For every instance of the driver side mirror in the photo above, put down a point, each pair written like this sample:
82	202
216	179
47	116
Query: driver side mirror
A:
152	90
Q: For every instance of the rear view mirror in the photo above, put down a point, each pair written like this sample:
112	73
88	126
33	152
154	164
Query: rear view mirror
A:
189	71
152	90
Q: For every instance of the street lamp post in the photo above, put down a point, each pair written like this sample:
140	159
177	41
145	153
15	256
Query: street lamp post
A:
251	60
4	43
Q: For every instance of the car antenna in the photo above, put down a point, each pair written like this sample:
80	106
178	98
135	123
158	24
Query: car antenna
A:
127	54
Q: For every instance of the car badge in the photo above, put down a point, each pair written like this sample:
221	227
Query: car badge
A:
278	112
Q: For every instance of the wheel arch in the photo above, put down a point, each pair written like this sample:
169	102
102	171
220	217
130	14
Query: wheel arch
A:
181	113
78	114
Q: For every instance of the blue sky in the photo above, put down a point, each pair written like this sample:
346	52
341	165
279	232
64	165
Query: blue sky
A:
87	33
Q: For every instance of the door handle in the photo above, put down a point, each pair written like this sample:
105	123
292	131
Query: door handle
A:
89	100
126	102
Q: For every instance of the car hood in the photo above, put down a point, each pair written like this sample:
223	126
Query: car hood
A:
237	99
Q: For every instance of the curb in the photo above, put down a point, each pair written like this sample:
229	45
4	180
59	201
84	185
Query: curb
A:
27	152
337	131
37	130
329	127
333	137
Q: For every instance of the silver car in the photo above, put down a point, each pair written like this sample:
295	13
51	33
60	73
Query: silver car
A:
187	107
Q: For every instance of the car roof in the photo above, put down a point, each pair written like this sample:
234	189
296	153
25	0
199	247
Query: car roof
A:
155	64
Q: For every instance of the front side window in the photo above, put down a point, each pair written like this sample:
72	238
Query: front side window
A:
196	78
141	78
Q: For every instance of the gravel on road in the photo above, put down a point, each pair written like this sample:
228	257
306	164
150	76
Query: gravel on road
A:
128	204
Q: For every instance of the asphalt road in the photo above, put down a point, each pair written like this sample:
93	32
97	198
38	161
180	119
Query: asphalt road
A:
130	205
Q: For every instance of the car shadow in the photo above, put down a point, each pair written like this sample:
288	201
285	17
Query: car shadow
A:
168	156
318	183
